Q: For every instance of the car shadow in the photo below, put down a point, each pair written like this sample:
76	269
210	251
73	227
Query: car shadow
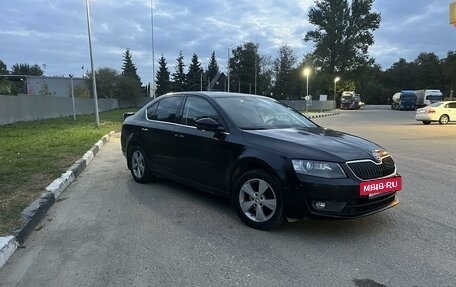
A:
199	211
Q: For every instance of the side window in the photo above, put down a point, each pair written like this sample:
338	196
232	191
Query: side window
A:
197	108
164	110
452	105
151	112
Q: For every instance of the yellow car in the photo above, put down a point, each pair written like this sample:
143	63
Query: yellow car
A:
442	112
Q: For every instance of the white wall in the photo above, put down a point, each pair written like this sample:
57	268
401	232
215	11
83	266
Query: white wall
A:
28	108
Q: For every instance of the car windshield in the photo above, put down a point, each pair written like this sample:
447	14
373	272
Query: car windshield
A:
255	113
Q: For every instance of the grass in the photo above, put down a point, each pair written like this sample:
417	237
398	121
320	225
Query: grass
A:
34	153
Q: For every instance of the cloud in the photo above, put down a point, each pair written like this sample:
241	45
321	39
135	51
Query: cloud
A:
54	32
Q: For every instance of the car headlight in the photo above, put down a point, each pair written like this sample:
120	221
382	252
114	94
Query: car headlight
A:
318	168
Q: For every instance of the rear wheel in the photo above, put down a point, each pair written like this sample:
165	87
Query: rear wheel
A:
426	122
444	119
139	168
258	199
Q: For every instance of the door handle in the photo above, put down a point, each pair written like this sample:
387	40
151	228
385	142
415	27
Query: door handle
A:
179	136
145	129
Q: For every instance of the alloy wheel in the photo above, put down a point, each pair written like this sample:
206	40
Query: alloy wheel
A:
257	200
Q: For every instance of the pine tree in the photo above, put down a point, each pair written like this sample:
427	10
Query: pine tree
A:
178	77
130	91
195	72
162	79
212	68
128	68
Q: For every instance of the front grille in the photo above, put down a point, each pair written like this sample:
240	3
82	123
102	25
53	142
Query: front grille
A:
368	169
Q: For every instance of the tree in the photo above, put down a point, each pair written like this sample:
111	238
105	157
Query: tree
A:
128	68
26	69
195	72
283	70
107	82
244	68
428	73
212	68
162	79
178	77
343	34
448	68
5	85
129	92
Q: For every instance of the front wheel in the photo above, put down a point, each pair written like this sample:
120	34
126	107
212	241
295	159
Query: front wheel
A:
138	165
426	122
444	119
258	199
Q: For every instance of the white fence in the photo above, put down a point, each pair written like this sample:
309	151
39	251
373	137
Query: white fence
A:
28	108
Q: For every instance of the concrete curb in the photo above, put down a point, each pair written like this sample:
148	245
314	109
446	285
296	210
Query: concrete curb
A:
320	115
33	213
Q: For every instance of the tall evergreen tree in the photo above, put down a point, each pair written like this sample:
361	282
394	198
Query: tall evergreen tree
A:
178	77
194	75
162	81
129	92
343	33
212	68
128	68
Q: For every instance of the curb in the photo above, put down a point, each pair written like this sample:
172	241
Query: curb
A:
33	213
320	115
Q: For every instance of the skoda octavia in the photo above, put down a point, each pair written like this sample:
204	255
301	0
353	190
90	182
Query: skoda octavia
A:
272	161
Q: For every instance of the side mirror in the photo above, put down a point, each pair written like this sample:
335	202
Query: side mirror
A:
208	124
127	114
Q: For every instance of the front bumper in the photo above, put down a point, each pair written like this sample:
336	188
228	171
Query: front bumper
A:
335	199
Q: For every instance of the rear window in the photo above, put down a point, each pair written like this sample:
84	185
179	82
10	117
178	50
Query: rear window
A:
435	104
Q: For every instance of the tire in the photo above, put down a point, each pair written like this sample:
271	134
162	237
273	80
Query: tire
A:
444	119
426	122
257	197
138	165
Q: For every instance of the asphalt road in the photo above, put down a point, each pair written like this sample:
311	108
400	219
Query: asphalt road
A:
107	230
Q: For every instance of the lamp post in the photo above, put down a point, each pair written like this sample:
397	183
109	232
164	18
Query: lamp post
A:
336	79
94	82
307	73
72	96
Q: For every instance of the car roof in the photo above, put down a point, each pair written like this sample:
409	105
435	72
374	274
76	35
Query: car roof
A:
213	94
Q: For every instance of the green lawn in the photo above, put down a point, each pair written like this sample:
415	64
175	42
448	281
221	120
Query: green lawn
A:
33	154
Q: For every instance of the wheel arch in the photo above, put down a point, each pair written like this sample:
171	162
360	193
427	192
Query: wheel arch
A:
246	164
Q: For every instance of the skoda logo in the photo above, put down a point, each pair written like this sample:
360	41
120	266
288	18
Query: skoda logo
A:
377	155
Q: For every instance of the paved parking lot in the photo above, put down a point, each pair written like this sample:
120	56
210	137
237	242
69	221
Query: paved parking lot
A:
107	230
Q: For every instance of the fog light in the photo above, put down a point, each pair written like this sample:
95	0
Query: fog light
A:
320	205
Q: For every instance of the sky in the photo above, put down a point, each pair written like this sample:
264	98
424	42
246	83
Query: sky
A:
54	34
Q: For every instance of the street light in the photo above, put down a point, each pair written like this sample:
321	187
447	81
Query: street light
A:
94	82
307	73
335	86
72	95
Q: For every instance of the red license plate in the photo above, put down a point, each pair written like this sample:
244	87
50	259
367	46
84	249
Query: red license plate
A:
378	186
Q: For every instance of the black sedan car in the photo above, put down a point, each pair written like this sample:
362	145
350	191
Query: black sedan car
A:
272	161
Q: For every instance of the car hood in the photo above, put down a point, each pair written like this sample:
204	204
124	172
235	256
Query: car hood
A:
314	143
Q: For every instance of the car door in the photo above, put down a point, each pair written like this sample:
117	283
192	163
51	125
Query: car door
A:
204	157
158	134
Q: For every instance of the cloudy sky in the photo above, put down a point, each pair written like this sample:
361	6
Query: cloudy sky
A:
53	33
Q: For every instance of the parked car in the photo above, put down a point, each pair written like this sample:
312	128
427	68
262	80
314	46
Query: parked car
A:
272	161
442	112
